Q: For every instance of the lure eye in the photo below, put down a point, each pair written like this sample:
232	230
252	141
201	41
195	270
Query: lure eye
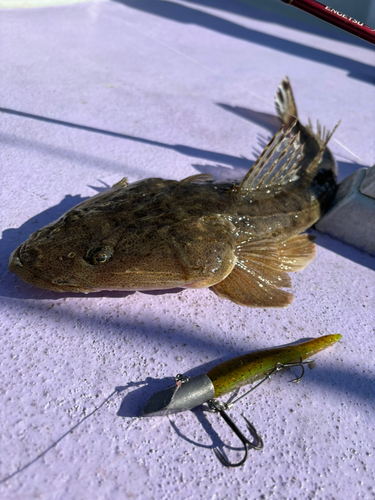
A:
98	255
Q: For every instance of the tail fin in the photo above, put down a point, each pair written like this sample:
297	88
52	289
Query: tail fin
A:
285	105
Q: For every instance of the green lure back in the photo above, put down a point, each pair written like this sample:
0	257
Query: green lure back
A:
243	370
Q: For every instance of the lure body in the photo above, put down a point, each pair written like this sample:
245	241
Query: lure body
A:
246	369
231	375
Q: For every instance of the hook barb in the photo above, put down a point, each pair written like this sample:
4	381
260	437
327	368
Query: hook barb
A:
256	443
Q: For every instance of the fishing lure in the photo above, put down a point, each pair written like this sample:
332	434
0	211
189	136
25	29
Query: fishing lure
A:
231	376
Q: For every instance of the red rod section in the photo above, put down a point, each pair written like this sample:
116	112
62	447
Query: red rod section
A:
335	17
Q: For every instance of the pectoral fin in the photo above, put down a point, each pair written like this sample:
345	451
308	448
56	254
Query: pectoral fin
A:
297	252
259	276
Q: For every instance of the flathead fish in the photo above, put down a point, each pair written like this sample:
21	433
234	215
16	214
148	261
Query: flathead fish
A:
239	239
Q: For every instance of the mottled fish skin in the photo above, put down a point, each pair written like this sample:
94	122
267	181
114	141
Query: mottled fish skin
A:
239	239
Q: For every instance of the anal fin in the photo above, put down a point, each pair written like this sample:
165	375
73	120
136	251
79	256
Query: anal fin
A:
260	272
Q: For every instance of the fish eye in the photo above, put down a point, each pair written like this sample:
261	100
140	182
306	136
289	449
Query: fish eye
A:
98	255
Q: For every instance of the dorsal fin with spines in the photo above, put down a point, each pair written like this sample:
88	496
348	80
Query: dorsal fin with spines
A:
285	104
279	162
323	137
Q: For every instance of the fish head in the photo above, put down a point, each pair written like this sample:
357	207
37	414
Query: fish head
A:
96	246
67	255
86	256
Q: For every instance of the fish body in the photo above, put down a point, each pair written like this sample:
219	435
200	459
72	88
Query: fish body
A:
238	239
231	375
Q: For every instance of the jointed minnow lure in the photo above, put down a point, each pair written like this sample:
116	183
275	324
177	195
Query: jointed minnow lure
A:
231	376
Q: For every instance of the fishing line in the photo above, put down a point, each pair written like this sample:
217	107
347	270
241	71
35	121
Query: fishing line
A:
347	149
238	85
218	74
53	445
213	72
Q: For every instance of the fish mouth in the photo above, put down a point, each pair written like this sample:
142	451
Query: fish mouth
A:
15	264
32	277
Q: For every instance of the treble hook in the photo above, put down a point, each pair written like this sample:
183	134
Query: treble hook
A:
257	443
190	392
219	407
